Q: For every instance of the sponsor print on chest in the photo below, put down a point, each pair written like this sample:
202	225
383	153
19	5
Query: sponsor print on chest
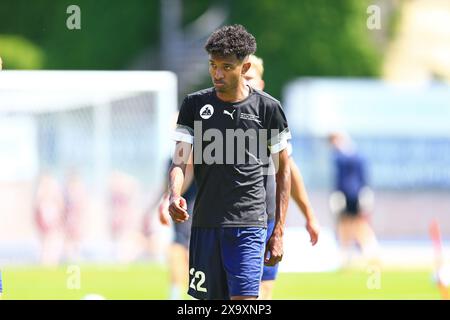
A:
207	112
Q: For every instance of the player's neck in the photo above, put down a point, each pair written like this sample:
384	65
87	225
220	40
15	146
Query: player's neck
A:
241	93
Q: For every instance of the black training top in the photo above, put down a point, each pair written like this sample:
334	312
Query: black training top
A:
232	143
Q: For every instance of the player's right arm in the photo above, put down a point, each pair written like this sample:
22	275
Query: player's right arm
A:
184	136
178	205
164	203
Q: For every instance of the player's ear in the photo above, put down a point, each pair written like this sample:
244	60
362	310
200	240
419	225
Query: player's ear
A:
245	67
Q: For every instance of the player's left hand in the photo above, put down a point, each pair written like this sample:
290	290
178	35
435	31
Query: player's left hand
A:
313	228
274	250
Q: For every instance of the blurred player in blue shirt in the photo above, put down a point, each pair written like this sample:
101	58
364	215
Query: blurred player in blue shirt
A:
352	199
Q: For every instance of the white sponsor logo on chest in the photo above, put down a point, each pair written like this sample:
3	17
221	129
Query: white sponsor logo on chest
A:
248	116
206	111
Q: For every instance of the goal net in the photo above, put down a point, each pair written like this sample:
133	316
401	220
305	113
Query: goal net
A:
92	141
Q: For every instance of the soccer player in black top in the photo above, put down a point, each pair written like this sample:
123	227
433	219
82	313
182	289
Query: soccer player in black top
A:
233	130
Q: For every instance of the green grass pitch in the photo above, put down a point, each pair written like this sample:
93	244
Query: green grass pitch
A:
150	281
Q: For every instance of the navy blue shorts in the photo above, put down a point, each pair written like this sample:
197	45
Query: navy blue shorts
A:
352	206
226	262
270	272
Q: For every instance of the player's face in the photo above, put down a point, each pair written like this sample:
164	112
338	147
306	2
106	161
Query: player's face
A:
254	79
226	72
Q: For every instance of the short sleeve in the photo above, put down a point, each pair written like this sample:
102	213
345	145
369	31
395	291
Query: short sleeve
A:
279	133
184	130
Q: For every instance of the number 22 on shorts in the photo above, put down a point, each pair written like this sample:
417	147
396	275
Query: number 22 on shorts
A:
197	275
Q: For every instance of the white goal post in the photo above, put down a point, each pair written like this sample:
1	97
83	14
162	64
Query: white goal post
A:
94	121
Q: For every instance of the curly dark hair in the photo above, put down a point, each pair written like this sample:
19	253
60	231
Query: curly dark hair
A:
230	40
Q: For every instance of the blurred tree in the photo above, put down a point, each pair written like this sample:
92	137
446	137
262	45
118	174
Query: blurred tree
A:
295	38
309	38
112	32
19	53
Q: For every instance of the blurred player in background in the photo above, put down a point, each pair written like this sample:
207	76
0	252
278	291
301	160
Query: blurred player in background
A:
75	205
1	63
178	254
178	251
49	209
124	193
441	273
254	77
352	199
